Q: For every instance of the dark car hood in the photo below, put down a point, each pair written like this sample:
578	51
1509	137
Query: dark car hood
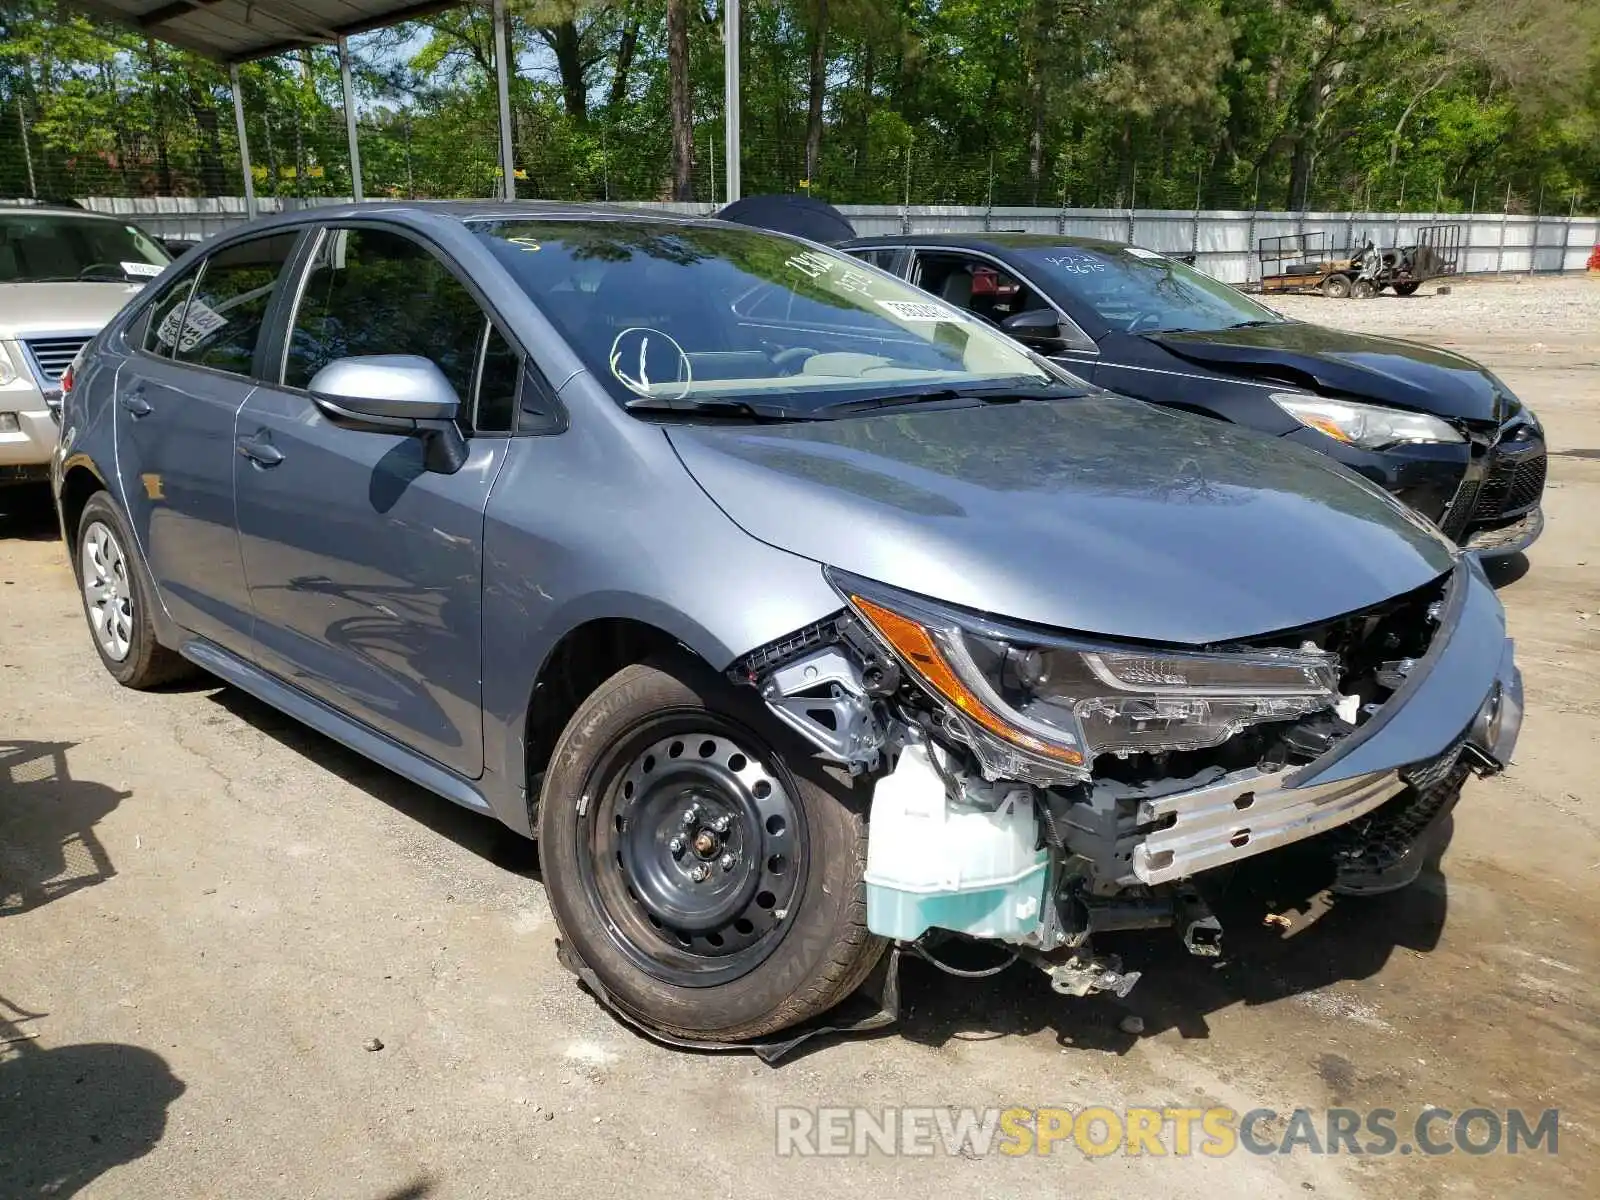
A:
1102	515
1358	364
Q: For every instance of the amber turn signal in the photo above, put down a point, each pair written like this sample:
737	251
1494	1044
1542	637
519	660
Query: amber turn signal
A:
916	646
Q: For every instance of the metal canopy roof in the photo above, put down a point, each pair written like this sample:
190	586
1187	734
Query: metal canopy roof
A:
233	31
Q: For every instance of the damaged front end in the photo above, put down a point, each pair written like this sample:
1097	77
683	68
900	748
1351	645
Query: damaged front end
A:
1035	789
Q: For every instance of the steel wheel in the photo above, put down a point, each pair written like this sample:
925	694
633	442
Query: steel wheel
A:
695	850
107	590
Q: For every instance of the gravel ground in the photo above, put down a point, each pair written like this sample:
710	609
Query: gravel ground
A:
1546	310
207	912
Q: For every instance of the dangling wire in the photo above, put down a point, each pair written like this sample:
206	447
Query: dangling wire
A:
920	952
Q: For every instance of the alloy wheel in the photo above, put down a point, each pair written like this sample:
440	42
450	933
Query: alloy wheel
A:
107	590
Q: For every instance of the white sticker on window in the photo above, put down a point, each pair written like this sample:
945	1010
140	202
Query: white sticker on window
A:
199	322
917	310
1141	252
140	270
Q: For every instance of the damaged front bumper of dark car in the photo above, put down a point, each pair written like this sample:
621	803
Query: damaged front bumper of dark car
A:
1034	790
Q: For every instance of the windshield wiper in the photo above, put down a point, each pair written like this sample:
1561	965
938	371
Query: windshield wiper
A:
97	277
1258	324
973	395
714	407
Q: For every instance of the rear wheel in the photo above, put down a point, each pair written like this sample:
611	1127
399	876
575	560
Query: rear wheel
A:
1407	289
117	600
1363	289
1336	287
700	861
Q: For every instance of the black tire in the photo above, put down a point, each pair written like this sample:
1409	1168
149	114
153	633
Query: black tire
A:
145	663
1407	289
1363	289
811	949
1336	287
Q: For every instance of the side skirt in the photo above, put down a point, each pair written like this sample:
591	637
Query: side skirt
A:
325	720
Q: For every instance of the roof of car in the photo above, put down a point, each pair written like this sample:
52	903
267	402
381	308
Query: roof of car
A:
57	209
480	210
994	242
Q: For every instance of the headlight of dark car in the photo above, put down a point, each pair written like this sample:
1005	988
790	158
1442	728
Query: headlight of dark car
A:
1064	701
1369	426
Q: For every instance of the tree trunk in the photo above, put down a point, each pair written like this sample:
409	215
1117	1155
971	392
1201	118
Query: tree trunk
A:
1037	31
627	44
159	124
567	47
682	110
204	110
869	61
1305	126
818	88
1399	126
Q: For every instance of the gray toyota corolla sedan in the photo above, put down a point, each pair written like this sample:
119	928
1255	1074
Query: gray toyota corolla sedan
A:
795	612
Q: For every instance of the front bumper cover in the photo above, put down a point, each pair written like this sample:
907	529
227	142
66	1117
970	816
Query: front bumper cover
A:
1466	689
1506	539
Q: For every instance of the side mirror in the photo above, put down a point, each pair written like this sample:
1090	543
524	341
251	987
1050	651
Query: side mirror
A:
1035	326
178	247
394	393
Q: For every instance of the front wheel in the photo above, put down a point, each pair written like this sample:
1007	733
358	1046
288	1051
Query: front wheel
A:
700	861
1407	289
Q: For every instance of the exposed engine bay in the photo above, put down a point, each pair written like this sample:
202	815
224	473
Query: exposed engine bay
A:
1034	789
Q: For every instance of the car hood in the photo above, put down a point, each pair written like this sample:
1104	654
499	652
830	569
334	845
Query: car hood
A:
1101	515
1385	369
38	309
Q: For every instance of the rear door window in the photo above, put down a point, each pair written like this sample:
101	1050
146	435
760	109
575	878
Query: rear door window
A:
223	319
883	257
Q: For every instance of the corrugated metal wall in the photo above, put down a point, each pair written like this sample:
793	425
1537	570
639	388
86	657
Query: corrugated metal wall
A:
1224	241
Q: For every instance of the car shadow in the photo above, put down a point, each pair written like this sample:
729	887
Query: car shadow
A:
1285	936
48	847
479	834
27	513
72	1113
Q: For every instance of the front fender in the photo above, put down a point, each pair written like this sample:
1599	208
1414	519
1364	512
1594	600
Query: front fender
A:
575	535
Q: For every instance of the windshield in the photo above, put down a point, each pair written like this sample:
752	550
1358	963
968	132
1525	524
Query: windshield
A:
39	247
1139	291
666	311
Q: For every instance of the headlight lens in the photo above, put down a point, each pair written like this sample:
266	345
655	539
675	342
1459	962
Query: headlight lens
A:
8	373
1365	425
1062	702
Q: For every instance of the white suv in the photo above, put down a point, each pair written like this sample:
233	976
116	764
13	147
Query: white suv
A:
64	273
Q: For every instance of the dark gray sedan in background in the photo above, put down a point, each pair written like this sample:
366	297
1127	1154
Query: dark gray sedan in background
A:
795	612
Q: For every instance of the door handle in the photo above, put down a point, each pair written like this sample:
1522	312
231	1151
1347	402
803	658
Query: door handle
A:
135	403
260	451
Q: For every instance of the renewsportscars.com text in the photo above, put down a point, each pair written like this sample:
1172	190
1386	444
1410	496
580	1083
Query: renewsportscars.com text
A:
1097	1131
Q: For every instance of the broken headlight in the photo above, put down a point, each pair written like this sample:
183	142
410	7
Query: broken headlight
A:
1063	701
1369	426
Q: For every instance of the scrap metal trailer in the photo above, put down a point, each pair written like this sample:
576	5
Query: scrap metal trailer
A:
1302	262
